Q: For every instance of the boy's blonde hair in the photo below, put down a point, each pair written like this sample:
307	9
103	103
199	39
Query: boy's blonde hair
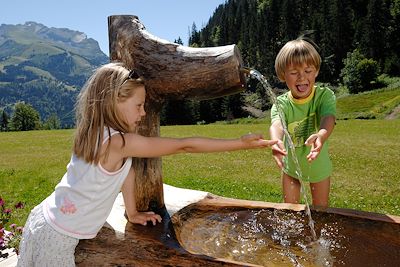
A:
296	52
96	108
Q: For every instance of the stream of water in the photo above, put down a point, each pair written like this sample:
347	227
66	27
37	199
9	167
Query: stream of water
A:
292	150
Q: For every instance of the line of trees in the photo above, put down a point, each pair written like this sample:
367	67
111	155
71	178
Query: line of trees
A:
262	27
47	96
26	118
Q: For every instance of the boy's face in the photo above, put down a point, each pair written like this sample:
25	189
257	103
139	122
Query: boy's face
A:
300	79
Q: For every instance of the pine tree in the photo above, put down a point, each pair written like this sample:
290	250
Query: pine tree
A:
374	39
178	41
392	61
4	121
25	118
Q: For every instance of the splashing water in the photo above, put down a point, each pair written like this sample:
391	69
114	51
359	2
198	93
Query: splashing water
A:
266	237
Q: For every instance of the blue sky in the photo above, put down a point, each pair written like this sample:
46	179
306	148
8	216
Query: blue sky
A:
165	19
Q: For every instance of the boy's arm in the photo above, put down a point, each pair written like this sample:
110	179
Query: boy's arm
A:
326	128
316	141
278	149
276	130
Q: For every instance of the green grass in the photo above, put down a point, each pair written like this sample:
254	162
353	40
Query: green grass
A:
365	155
31	165
371	104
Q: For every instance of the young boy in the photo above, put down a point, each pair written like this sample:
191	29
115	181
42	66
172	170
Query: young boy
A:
309	111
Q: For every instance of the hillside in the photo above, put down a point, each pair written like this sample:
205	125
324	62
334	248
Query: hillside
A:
382	103
45	67
377	104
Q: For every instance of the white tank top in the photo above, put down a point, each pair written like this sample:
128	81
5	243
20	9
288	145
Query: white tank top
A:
82	201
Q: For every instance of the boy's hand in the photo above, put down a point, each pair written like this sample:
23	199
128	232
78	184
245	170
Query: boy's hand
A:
278	152
256	140
316	144
144	217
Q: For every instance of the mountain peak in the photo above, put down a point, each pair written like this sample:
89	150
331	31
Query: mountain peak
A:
36	60
72	41
36	26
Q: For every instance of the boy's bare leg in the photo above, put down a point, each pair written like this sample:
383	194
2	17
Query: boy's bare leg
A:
291	189
320	192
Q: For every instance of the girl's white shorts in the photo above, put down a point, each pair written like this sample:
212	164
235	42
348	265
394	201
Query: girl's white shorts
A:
42	246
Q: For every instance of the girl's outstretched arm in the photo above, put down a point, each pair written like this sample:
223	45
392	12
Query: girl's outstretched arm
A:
148	147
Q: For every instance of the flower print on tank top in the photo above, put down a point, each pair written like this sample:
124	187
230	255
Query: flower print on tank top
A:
68	206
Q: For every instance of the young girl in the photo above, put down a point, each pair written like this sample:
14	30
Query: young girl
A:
309	112
109	109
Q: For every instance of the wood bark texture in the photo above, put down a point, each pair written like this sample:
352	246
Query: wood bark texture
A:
173	70
145	246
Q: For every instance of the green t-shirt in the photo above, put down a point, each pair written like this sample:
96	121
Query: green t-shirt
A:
303	118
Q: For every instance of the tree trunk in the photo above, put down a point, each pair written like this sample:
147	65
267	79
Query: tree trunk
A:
148	175
171	71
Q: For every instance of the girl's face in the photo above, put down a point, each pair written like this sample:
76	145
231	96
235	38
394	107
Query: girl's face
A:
300	79
132	108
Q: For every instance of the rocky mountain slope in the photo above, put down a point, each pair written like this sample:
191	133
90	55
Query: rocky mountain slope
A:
45	67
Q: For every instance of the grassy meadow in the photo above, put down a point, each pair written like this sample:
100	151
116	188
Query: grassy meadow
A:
365	155
369	105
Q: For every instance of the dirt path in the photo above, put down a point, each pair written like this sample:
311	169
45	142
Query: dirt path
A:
394	114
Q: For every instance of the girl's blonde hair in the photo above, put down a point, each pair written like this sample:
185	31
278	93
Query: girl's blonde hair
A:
296	52
96	108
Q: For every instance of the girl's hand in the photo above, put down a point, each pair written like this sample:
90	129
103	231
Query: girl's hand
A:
256	140
316	143
144	217
278	152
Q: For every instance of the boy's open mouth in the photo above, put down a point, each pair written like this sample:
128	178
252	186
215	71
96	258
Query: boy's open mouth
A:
302	87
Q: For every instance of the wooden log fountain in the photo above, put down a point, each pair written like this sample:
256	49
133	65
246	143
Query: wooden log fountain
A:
171	71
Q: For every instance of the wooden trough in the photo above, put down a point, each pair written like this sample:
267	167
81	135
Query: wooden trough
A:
372	239
278	234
